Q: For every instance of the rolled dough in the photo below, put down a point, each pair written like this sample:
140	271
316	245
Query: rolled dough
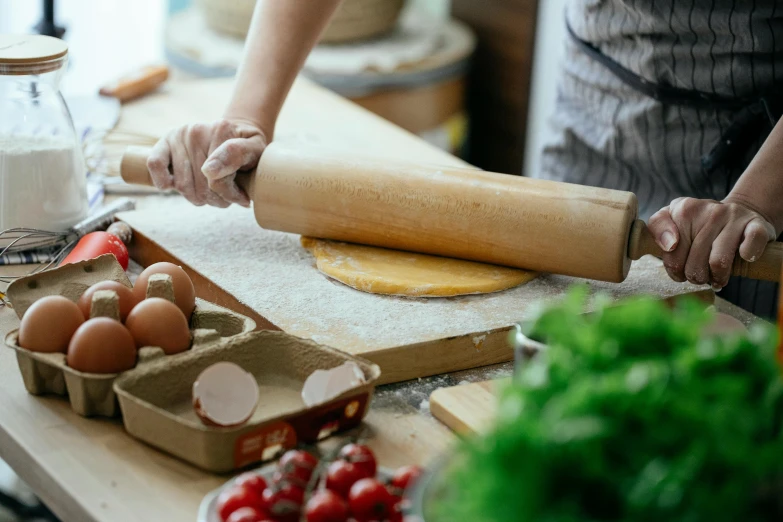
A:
393	272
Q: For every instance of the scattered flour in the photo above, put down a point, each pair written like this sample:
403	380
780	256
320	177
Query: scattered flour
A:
274	275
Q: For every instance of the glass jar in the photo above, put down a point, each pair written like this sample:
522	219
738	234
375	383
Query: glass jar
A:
43	181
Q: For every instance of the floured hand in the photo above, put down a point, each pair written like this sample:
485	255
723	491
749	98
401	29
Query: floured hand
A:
201	161
700	238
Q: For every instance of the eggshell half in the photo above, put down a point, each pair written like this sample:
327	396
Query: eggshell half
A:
724	324
324	385
225	395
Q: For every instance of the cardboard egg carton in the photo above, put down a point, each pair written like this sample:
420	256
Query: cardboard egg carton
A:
156	401
93	394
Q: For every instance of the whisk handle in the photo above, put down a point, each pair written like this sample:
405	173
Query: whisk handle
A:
133	167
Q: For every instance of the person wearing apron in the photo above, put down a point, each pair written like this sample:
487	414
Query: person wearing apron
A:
669	99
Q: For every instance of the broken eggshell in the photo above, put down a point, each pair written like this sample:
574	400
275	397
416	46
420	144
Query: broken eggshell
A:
722	325
225	395
324	385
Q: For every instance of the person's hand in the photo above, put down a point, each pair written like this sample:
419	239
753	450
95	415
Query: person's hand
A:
200	161
700	238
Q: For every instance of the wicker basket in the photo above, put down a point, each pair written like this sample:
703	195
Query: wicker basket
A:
354	20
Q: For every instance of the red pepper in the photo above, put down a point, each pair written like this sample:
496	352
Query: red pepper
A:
96	244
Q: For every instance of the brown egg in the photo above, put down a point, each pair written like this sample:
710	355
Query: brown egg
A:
47	326
157	322
102	345
126	295
184	293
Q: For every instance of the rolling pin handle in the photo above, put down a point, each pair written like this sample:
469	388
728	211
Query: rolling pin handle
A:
133	170
133	167
766	268
642	243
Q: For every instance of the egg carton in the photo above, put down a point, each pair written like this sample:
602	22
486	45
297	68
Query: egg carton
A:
157	401
92	394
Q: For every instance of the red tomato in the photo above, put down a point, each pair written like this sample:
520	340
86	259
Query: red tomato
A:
248	514
326	506
341	475
234	498
96	244
284	501
405	477
361	456
296	466
251	481
370	500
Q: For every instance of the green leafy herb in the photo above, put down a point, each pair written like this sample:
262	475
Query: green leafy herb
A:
630	415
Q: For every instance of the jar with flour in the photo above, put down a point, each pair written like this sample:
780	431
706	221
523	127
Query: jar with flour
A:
42	176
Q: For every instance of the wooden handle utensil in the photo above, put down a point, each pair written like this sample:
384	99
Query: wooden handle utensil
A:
463	213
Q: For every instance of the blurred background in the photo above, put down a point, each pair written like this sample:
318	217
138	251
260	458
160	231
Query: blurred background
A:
475	77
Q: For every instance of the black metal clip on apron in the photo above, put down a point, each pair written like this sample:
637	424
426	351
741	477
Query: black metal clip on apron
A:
751	113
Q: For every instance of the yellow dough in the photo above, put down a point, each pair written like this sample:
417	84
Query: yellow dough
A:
383	271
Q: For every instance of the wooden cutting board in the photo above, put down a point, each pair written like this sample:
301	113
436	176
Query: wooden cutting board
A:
467	408
270	277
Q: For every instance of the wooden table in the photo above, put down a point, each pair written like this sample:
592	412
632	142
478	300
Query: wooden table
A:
90	470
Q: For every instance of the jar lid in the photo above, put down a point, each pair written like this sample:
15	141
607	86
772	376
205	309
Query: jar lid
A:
31	53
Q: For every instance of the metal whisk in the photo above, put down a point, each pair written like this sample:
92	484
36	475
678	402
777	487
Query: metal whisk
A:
17	240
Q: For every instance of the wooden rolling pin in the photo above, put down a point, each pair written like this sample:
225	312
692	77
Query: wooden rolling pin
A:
463	213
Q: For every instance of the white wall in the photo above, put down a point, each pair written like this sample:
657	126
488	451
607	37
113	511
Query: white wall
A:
550	36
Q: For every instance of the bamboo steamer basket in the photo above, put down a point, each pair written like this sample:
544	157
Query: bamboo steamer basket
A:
354	19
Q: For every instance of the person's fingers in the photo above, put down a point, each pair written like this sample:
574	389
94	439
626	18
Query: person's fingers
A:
229	191
724	248
682	211
222	165
183	170
222	132
758	232
664	230
158	165
232	156
697	267
195	144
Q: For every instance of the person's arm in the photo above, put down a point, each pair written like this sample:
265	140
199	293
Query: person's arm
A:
281	36
701	237
200	160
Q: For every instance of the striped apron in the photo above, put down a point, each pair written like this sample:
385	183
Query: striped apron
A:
668	98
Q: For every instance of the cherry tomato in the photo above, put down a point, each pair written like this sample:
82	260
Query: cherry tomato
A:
341	475
284	501
251	481
370	500
235	498
361	456
405	477
297	458
326	506
248	514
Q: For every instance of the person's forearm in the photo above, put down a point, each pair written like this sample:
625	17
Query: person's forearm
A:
761	185
281	36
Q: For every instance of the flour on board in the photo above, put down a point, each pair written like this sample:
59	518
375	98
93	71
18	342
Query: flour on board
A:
274	275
